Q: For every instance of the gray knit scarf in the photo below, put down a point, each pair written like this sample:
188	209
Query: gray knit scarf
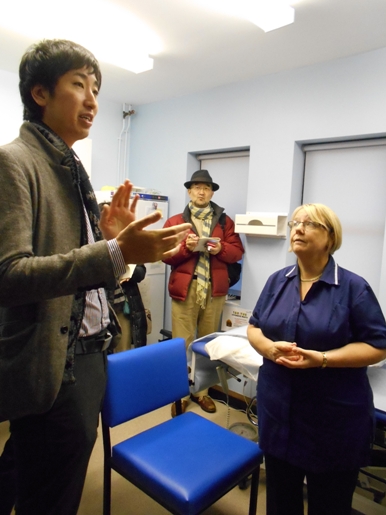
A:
86	198
203	265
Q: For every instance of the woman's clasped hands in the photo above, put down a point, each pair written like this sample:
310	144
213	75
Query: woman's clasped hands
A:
290	355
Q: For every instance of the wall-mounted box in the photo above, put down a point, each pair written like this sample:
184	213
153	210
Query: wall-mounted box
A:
234	316
268	225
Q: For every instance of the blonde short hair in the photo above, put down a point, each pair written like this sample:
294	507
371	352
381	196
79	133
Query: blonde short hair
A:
324	215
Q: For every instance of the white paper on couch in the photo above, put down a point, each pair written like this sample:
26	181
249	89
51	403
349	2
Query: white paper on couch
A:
237	352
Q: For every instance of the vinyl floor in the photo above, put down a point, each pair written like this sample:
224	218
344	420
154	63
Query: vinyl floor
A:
126	498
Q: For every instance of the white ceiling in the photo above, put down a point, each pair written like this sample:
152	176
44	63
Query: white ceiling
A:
203	50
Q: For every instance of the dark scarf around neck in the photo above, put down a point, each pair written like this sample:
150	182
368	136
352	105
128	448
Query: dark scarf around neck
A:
86	198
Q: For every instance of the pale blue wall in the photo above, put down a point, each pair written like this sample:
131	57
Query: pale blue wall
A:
339	99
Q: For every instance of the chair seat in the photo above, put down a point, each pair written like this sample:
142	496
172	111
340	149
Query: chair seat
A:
380	416
164	462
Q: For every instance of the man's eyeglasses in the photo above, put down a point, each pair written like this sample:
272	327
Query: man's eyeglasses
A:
205	189
293	224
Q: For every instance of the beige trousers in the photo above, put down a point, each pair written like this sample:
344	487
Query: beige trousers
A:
190	321
125	341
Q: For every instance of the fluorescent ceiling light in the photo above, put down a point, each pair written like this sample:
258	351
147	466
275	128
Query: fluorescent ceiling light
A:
270	15
266	14
110	32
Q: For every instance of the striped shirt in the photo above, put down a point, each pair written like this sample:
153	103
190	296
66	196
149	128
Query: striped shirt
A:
96	314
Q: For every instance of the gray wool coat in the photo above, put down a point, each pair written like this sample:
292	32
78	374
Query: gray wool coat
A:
41	268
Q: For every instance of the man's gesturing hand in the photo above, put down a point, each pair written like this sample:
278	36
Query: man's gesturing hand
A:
147	246
120	213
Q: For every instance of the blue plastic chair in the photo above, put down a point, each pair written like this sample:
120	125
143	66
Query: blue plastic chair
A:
186	463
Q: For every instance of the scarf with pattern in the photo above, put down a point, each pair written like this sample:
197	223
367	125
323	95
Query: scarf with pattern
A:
203	265
86	198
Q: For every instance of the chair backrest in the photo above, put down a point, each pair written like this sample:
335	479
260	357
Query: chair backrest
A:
144	379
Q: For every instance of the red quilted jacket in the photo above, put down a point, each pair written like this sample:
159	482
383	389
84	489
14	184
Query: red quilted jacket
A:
184	263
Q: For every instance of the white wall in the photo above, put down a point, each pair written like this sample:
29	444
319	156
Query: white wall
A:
340	99
11	107
104	134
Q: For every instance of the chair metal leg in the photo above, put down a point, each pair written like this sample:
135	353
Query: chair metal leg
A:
192	369
244	484
178	407
106	470
254	490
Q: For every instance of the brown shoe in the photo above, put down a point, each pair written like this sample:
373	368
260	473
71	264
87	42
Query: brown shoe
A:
205	403
184	405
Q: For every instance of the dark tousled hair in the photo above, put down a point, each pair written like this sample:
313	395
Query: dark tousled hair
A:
44	63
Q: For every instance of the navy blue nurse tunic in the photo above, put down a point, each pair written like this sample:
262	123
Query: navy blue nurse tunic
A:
317	419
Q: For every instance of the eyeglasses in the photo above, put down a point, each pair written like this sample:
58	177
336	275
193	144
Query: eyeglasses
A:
205	189
293	224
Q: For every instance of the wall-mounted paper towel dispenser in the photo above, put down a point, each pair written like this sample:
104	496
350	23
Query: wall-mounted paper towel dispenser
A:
268	225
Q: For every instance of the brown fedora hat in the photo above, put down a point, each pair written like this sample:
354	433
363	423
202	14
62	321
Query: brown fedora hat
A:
201	176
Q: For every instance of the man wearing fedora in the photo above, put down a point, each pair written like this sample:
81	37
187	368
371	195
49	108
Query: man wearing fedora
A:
199	280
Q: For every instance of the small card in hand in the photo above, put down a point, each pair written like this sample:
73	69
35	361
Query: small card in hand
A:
204	244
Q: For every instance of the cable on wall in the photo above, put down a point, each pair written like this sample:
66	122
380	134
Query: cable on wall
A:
124	136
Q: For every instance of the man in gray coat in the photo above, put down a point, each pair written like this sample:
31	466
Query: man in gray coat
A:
56	262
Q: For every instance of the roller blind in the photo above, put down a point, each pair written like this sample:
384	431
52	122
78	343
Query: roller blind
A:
350	177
